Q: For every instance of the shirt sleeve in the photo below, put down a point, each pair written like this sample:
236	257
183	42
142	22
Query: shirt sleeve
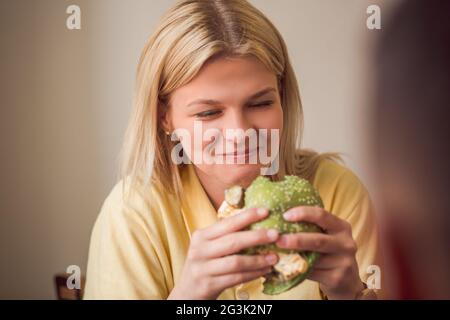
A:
365	234
124	261
345	196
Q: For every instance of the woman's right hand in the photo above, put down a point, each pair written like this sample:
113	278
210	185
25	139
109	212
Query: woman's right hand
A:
213	265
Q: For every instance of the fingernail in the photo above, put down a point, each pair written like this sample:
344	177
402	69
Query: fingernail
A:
272	234
261	211
271	258
288	215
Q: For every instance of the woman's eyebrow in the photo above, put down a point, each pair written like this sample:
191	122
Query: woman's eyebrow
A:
261	93
214	102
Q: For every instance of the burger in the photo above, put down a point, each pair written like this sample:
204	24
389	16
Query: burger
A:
293	266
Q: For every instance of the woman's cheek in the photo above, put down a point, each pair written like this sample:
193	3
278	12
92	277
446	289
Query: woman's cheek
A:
198	144
272	120
278	118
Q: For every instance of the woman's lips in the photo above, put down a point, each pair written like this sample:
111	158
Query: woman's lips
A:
236	154
240	156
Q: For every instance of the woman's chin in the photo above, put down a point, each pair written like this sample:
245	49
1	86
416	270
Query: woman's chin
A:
239	174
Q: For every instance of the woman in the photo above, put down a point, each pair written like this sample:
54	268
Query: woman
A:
224	65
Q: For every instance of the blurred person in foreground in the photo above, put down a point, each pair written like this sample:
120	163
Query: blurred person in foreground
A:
411	149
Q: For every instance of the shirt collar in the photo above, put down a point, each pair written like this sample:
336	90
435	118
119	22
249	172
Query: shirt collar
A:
198	211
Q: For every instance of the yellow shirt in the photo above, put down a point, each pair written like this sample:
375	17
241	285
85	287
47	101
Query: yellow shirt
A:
138	248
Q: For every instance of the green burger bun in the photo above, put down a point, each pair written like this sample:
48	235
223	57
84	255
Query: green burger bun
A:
278	197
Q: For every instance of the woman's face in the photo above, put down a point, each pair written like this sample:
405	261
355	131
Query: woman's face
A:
228	93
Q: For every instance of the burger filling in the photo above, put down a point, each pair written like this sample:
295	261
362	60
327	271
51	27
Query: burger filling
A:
289	266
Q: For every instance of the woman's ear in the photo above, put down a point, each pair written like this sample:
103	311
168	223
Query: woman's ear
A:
164	118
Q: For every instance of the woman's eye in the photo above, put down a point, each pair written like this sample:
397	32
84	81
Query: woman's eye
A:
212	113
262	104
208	113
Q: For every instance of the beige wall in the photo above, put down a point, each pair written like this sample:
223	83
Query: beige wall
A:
65	98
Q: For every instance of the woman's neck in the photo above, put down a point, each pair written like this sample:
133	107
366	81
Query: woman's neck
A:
213	187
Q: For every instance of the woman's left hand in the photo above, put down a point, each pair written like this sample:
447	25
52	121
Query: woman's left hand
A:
337	269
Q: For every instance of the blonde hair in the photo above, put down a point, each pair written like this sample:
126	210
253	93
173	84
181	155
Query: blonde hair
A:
190	34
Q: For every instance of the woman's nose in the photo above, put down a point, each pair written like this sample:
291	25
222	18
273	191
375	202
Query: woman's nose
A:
237	123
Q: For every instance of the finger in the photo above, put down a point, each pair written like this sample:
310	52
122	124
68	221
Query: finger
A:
316	215
234	242
327	278
235	222
240	263
319	242
328	261
230	280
